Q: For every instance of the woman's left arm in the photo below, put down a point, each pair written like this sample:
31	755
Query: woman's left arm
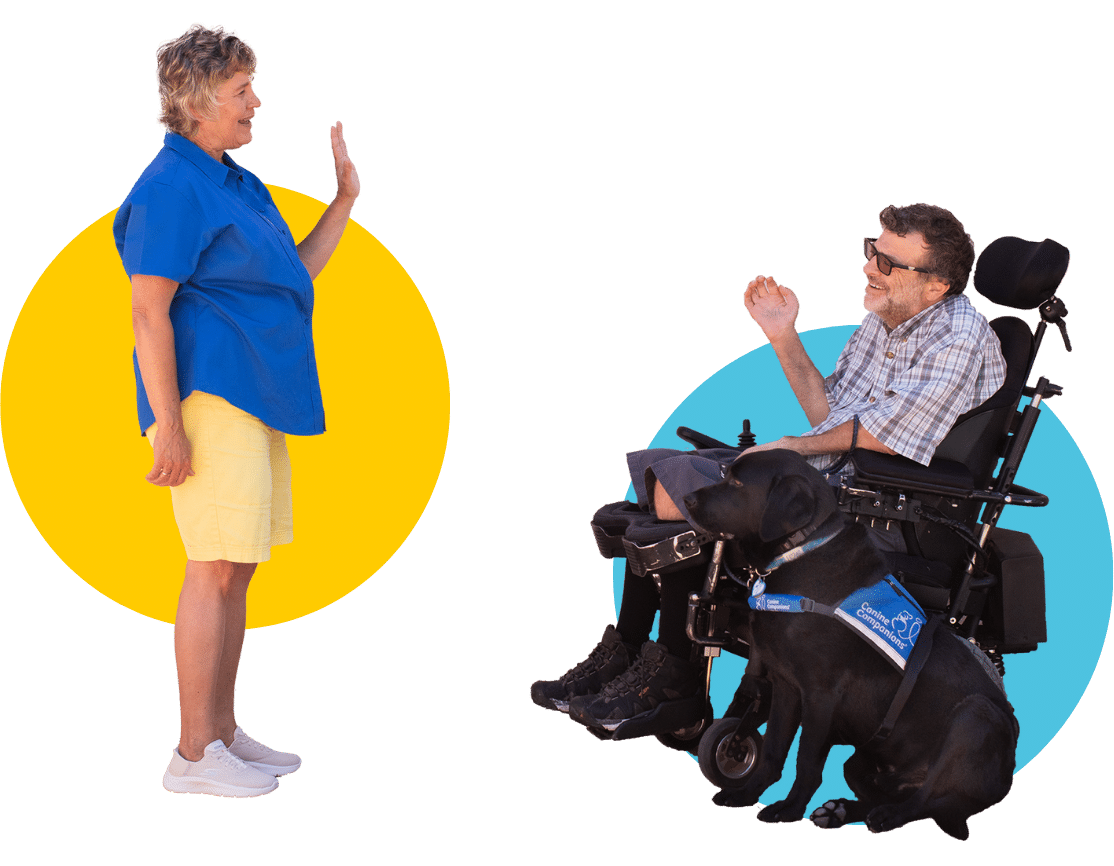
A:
320	243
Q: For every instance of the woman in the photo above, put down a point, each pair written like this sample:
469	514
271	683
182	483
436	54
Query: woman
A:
222	301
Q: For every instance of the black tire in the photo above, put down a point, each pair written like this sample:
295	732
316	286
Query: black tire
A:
726	764
688	739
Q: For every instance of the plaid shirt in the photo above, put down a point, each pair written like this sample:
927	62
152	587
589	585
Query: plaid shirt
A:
909	386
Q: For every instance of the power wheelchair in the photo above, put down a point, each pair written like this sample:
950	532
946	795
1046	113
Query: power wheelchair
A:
986	582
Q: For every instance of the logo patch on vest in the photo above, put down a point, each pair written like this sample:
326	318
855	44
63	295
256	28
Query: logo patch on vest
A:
883	614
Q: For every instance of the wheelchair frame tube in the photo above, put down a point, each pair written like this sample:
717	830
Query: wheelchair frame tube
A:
993	509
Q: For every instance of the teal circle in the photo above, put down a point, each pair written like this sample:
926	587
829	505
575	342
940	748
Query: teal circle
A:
1071	532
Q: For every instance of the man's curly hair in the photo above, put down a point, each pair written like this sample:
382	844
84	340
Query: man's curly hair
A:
951	250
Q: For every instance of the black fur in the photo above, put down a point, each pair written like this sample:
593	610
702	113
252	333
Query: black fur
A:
951	753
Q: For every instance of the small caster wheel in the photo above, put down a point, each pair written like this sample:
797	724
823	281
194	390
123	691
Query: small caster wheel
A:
727	755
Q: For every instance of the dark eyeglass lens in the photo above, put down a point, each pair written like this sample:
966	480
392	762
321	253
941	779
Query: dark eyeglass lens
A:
884	264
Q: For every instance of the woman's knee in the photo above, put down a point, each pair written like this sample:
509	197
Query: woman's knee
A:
229	577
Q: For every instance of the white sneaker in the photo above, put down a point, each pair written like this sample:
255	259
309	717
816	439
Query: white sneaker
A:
264	758
218	772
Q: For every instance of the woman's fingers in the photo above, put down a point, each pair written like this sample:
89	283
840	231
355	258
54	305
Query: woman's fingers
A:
348	182
169	474
172	460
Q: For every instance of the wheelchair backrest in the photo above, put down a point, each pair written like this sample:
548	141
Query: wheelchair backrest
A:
1023	275
978	437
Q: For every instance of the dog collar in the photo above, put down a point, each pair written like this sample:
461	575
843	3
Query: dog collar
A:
795	553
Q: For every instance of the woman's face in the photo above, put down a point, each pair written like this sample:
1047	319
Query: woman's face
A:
231	128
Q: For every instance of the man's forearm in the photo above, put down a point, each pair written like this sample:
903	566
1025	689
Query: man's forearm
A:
803	377
833	441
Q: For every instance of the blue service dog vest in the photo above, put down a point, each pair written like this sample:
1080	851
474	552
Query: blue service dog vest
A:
884	615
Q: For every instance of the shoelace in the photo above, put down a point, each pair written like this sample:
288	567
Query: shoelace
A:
590	665
249	741
228	759
630	680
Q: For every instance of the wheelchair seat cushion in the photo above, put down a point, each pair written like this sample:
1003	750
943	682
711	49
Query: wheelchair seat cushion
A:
874	467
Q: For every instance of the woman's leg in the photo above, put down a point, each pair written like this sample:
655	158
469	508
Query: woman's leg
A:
235	626
208	634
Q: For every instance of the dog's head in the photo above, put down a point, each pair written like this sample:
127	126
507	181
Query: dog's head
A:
764	499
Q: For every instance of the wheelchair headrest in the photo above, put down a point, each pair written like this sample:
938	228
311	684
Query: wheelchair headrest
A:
1020	274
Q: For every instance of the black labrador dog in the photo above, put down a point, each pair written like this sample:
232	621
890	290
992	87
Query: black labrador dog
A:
951	751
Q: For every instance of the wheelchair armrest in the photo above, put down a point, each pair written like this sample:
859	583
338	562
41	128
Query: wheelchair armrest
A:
941	477
699	440
892	470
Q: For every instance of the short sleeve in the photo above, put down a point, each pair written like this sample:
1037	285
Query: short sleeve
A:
160	233
920	406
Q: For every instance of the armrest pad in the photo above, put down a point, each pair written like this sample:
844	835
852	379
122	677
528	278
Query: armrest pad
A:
874	467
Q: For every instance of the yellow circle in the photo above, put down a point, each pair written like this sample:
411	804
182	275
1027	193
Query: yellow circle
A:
72	436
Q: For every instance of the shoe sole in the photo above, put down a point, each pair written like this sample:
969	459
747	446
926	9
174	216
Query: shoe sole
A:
561	706
186	785
664	718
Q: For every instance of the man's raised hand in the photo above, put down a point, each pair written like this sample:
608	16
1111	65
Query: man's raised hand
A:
773	307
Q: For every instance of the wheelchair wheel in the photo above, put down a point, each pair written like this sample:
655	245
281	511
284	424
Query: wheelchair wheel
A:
688	739
727	755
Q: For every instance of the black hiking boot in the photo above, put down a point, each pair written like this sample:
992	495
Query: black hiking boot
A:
655	679
609	659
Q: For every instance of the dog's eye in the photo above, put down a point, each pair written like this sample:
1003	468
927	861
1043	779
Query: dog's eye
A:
733	481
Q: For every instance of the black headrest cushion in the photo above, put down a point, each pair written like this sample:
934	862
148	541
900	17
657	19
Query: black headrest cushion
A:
1020	274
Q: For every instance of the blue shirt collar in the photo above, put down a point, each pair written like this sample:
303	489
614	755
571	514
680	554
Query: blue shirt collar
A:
218	172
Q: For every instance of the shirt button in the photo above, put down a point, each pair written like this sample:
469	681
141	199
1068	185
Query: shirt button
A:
871	400
889	354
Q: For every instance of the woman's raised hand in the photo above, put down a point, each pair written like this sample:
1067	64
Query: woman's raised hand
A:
348	182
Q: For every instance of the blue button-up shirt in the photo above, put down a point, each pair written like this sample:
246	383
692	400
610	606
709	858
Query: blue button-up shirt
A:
244	305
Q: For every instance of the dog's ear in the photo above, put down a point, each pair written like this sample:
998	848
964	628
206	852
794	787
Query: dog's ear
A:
789	507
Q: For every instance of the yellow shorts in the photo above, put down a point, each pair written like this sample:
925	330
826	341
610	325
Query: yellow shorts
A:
237	504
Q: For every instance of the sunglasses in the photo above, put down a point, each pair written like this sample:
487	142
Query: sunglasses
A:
885	263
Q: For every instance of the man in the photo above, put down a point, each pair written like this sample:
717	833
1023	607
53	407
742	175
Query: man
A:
922	357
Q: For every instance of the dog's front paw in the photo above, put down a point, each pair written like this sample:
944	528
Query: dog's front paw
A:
883	818
834	813
781	813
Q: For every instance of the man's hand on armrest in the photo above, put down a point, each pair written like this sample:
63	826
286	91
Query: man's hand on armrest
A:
833	441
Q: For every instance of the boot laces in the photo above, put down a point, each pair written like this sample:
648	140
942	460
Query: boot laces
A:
597	658
633	678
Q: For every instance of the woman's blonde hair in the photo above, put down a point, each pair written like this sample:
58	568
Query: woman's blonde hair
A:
191	68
